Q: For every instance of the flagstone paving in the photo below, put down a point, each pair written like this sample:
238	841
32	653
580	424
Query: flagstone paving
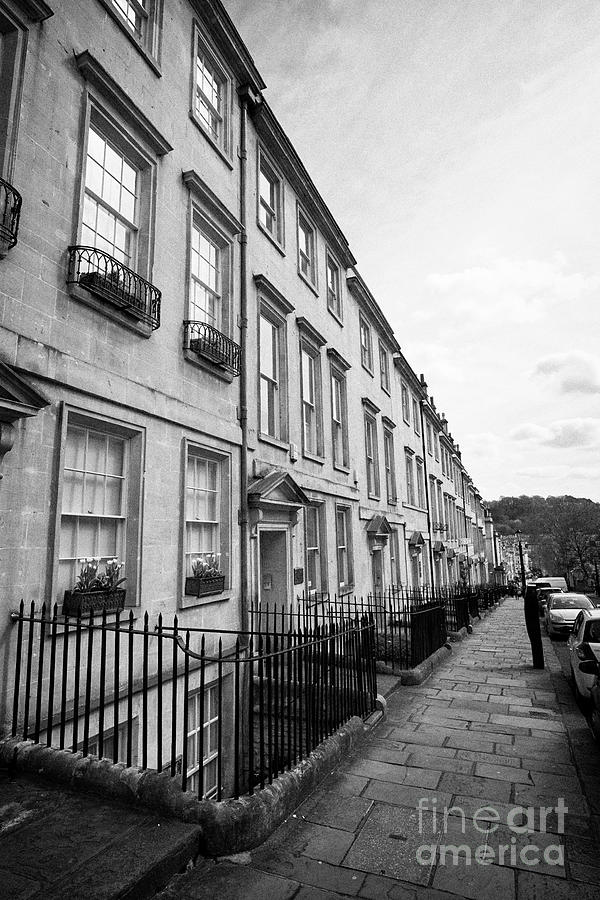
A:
482	781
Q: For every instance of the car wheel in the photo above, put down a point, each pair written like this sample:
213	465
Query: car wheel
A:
578	695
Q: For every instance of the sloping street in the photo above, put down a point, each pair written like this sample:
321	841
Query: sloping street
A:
482	781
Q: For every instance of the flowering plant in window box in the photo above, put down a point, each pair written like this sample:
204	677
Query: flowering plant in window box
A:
94	590
206	578
110	285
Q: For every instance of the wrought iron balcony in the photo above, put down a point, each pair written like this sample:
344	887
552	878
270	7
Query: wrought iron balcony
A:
209	342
107	278
10	210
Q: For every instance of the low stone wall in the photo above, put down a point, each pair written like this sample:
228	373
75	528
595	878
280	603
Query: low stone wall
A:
226	826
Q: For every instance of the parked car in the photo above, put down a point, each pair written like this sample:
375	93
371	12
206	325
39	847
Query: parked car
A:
591	667
561	611
583	641
559	584
542	594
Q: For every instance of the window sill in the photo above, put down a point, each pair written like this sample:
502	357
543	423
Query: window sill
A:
189	602
309	284
386	390
367	369
422	509
207	365
320	460
344	591
392	501
274	442
108	311
340	468
337	318
406	420
375	497
210	140
278	246
152	62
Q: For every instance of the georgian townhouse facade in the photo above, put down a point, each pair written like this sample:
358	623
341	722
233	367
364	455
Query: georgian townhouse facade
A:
194	373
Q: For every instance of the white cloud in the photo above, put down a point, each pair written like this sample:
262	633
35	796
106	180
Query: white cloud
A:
573	373
521	290
564	433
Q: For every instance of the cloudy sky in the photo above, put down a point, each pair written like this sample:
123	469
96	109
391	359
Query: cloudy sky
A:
457	143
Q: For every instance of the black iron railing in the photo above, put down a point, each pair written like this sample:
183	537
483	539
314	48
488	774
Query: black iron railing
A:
112	281
10	211
209	342
224	712
410	623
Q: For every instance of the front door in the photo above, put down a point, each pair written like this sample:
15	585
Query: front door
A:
377	565
273	576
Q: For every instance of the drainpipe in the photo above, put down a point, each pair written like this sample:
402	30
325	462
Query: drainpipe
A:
426	476
247	97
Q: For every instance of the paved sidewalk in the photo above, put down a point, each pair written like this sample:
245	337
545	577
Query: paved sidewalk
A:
484	731
59	845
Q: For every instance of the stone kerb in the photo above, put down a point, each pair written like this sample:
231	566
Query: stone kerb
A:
227	826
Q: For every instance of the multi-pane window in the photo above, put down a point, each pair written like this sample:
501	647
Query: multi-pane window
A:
334	292
395	570
390	469
433	499
339	419
306	248
110	199
405	404
270	199
416	416
440	503
384	368
269	356
421	501
344	548
311	402
366	346
372	456
94	500
314	539
208	265
209	95
429	437
436	446
202	742
134	14
202	510
410	480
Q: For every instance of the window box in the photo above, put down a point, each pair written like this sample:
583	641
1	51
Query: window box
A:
202	587
81	603
207	341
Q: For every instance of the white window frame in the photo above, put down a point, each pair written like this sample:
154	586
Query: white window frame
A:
384	368
271	173
339	426
311	404
416	416
223	461
333	286
13	38
130	515
317	552
366	345
429	437
390	465
420	480
343	541
404	393
222	140
210	717
206	227
307	249
280	381
147	38
372	456
410	479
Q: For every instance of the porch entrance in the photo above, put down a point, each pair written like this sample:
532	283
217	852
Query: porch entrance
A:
273	581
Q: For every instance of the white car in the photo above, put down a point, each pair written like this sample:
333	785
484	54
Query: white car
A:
583	644
562	610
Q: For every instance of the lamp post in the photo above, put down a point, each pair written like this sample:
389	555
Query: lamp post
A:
523	586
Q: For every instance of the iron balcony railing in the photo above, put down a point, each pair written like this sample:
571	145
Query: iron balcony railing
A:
10	211
111	280
224	712
209	342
